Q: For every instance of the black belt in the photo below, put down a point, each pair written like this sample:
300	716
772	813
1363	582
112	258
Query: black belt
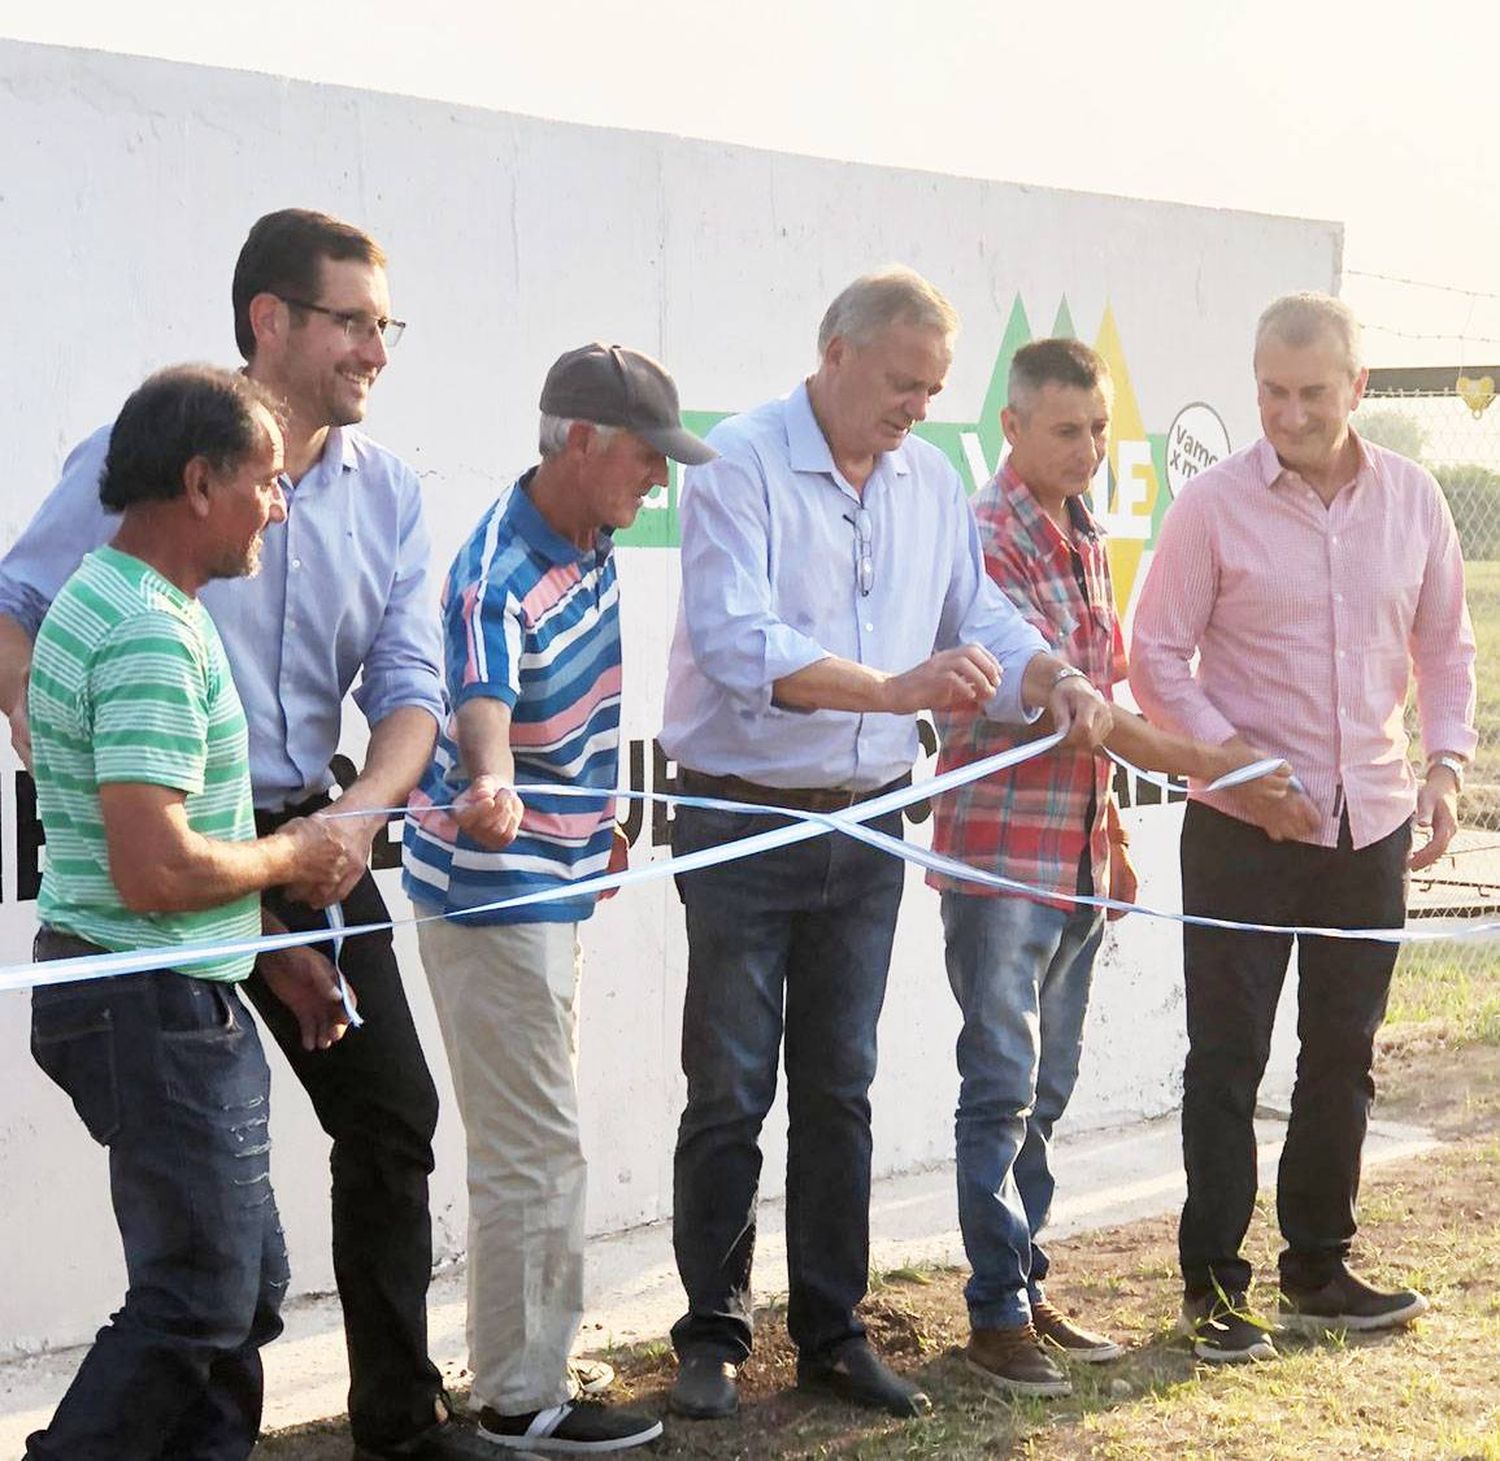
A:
798	798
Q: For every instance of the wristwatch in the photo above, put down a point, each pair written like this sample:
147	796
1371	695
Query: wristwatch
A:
1068	672
1453	764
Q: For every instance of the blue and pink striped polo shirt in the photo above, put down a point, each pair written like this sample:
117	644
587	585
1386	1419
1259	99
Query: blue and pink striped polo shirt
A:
532	621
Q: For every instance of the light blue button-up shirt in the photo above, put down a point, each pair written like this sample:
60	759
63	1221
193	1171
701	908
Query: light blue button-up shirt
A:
343	590
772	582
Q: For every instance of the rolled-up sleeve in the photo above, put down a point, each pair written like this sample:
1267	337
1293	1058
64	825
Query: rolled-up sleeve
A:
1442	642
1176	604
70	523
738	640
976	610
403	665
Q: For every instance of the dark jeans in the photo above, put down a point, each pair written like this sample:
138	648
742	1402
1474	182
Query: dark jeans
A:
794	942
374	1096
166	1071
1231	869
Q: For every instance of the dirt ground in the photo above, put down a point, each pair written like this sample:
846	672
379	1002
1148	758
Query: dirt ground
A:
1431	1391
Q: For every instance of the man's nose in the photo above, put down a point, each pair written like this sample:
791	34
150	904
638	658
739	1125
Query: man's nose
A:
372	351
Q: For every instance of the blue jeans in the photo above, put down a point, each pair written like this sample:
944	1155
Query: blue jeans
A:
1021	972
794	942
166	1072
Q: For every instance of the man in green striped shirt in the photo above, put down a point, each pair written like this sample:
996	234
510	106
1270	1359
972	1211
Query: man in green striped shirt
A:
143	787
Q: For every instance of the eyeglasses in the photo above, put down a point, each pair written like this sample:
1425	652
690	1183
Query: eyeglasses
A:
864	560
359	328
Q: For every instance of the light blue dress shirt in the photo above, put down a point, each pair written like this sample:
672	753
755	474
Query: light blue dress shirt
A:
343	590
772	582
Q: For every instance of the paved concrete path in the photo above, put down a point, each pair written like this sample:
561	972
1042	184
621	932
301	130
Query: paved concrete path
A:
1105	1178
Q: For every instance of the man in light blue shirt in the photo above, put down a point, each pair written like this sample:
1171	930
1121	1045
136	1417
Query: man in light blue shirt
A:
343	592
833	586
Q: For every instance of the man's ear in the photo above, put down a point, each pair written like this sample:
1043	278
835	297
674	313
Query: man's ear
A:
197	484
1361	381
1010	423
269	318
581	437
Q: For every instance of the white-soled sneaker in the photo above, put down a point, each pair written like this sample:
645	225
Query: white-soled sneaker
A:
575	1428
1346	1301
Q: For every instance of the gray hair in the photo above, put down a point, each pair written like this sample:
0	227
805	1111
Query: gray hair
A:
1307	317
1055	361
888	296
552	435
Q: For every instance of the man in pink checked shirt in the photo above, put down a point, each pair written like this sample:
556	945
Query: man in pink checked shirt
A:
1311	573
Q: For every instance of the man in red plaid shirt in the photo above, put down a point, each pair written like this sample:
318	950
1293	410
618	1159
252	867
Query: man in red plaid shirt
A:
1021	968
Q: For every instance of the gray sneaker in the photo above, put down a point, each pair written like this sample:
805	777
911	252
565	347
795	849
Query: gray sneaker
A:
1346	1301
1223	1330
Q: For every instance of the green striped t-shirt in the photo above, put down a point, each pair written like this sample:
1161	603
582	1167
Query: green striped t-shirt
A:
129	683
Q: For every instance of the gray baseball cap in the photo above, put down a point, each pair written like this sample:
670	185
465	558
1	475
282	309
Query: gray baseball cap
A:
612	386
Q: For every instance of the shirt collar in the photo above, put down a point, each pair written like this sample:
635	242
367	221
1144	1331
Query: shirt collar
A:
1044	532
539	534
808	449
1271	473
338	450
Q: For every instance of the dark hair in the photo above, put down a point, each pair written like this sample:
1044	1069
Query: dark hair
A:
182	412
283	255
1057	361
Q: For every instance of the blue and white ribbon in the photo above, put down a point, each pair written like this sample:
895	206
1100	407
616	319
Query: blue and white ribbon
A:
800	826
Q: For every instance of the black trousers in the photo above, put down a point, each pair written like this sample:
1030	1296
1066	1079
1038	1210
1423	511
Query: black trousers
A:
375	1098
1231	869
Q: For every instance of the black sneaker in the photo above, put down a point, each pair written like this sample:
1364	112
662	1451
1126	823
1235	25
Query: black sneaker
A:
576	1427
1348	1302
1223	1331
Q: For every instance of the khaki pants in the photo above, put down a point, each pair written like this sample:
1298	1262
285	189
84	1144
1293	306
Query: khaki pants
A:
506	998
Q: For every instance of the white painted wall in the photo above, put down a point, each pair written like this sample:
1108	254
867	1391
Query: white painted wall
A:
126	187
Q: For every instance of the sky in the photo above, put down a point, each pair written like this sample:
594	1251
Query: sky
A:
1373	114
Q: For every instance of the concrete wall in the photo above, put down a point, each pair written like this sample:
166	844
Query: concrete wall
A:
126	187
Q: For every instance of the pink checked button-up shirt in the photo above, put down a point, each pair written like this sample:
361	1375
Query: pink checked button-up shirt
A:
1307	622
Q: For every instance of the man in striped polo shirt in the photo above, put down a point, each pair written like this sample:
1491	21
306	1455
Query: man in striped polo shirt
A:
143	785
532	656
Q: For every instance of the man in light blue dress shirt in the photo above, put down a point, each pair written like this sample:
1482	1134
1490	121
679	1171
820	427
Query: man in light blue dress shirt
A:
832	587
343	592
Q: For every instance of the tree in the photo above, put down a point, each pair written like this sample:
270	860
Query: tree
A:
1393	429
1473	494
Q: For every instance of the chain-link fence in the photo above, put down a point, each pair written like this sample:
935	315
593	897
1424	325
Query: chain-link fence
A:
1448	420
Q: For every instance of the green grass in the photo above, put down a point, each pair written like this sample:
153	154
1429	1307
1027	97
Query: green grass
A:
1450	989
1484	608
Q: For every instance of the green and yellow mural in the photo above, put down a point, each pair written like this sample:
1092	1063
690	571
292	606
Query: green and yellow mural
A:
1130	494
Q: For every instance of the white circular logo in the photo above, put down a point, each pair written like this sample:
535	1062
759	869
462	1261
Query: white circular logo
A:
1197	439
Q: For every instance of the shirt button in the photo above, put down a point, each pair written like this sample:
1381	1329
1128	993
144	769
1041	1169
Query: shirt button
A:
1338	598
869	628
296	563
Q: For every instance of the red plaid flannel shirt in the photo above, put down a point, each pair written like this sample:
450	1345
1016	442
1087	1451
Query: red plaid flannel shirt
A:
1032	823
